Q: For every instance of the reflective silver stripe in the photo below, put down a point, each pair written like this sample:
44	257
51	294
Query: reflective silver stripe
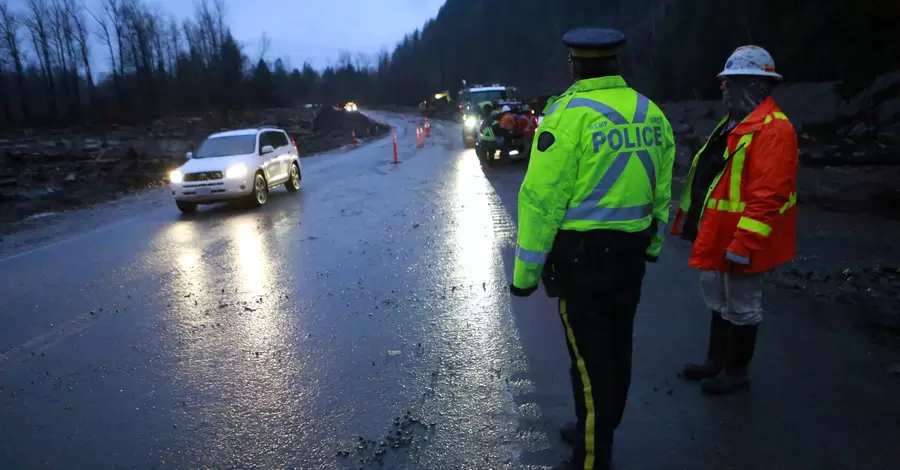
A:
609	214
736	258
649	167
614	116
528	256
603	187
640	113
552	109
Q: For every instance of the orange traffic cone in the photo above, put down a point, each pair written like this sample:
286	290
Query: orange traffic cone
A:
354	137
427	128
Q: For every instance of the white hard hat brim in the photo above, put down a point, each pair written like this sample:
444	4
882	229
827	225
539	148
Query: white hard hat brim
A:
760	73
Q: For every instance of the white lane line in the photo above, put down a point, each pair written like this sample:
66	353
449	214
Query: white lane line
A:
48	339
77	236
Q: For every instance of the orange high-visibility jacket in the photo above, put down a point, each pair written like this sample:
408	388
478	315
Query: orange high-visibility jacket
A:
749	220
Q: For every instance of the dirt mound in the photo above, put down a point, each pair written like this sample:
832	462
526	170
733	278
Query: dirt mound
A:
333	128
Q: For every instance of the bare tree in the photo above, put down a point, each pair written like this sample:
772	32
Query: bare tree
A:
264	44
210	16
363	61
9	29
344	59
63	40
80	34
173	42
106	36
40	37
112	9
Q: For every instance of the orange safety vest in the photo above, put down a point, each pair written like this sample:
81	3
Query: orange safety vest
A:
749	220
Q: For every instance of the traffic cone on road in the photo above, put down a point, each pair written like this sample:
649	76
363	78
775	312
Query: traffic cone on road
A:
394	136
354	137
427	128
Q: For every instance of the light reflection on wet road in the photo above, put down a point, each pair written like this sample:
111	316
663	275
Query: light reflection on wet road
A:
363	323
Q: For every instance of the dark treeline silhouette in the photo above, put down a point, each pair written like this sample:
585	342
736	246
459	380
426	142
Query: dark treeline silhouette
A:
675	48
158	65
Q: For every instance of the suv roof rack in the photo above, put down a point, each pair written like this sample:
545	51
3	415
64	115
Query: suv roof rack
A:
267	127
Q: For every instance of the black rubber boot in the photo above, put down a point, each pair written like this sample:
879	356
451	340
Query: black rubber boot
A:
569	434
715	355
741	345
565	465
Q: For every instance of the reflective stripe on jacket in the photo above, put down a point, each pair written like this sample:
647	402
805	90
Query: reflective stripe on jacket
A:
749	218
609	167
488	134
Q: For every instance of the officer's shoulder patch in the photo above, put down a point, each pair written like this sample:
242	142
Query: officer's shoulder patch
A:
545	141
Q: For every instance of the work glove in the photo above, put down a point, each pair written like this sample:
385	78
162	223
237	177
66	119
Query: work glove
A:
521	292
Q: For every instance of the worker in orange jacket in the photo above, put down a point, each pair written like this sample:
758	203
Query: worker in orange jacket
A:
738	207
531	125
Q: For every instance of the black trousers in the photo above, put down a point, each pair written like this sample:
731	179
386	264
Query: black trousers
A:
599	294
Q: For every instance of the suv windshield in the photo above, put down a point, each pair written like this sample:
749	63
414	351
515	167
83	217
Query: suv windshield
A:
226	146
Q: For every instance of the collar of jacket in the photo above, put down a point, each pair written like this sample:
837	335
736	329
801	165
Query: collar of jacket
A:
600	83
755	121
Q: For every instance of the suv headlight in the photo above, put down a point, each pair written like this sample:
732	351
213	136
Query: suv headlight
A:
471	122
237	171
176	177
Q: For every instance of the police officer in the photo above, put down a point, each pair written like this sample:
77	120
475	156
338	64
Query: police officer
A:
591	212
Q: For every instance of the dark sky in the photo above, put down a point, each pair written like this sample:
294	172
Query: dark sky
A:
312	30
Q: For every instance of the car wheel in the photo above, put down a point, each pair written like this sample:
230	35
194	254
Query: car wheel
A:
187	208
260	193
293	183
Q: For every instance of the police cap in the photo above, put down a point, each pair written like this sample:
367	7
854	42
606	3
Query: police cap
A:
593	43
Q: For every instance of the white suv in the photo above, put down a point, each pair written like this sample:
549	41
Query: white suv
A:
242	164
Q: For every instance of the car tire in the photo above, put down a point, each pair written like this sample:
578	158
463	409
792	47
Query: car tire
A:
260	193
293	182
186	208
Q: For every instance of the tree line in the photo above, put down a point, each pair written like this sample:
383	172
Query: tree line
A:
159	65
675	47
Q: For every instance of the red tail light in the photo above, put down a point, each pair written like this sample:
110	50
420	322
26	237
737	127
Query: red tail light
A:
294	143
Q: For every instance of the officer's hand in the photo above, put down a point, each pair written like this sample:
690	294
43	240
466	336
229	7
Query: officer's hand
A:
521	292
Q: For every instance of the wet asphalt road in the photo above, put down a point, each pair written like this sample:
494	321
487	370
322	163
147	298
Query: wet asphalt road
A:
364	323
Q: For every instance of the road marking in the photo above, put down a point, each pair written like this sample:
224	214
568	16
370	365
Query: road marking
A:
73	237
48	339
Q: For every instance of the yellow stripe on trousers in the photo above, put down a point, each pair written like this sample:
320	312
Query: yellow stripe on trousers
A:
588	396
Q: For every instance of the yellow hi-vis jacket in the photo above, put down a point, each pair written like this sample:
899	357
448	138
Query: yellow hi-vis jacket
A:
601	159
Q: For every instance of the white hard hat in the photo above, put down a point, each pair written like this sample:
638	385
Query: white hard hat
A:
750	60
505	108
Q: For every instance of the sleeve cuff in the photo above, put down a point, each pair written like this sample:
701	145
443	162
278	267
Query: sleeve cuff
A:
737	253
518	292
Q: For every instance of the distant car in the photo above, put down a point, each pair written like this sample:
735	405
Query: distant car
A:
235	165
351	106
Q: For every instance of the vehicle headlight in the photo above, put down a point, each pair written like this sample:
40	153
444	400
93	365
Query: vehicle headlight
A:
237	171
176	177
471	122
